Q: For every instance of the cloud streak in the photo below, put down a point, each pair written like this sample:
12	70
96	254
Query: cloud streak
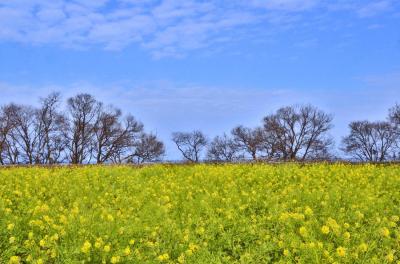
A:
162	27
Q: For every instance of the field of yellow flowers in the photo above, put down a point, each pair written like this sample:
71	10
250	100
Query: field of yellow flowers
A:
201	214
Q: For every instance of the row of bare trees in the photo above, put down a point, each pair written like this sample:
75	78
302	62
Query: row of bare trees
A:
375	141
296	133
86	131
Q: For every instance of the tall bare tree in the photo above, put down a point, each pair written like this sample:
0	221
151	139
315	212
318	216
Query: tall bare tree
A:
50	125
113	136
394	118
299	133
9	152
370	141
23	135
190	144
83	110
223	148
148	149
252	141
394	114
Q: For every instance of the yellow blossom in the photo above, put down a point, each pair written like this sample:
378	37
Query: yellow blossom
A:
325	229
42	243
127	251
385	232
181	259
115	259
107	248
390	257
163	257
341	251
308	211
86	247
14	260
363	247
303	231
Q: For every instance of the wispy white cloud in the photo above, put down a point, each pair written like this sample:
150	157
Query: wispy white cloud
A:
374	8
163	27
286	5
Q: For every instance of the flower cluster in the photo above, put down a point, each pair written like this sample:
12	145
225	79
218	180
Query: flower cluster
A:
200	214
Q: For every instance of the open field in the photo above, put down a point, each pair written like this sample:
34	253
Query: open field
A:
201	214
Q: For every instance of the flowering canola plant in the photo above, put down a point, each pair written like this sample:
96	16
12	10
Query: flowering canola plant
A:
249	213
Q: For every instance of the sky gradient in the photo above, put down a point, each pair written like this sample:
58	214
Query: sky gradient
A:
209	65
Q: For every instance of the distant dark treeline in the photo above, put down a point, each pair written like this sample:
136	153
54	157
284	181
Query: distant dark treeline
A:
86	131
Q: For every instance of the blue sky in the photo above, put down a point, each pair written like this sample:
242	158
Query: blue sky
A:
182	65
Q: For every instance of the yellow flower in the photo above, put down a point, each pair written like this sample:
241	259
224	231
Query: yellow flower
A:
390	257
127	251
325	229
181	259
363	247
163	257
341	251
308	211
385	232
53	253
193	247
12	240
55	237
200	230
39	261
10	227
131	242
346	235
86	247
286	252
303	231
98	243
42	243
107	248
115	259
14	260
110	218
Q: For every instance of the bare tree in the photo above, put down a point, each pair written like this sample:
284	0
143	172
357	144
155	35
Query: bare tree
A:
254	142
223	148
190	144
148	149
9	151
394	118
394	115
50	125
370	141
23	135
83	110
299	133
112	136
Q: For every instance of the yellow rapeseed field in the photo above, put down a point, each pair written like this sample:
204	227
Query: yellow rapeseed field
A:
201	214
